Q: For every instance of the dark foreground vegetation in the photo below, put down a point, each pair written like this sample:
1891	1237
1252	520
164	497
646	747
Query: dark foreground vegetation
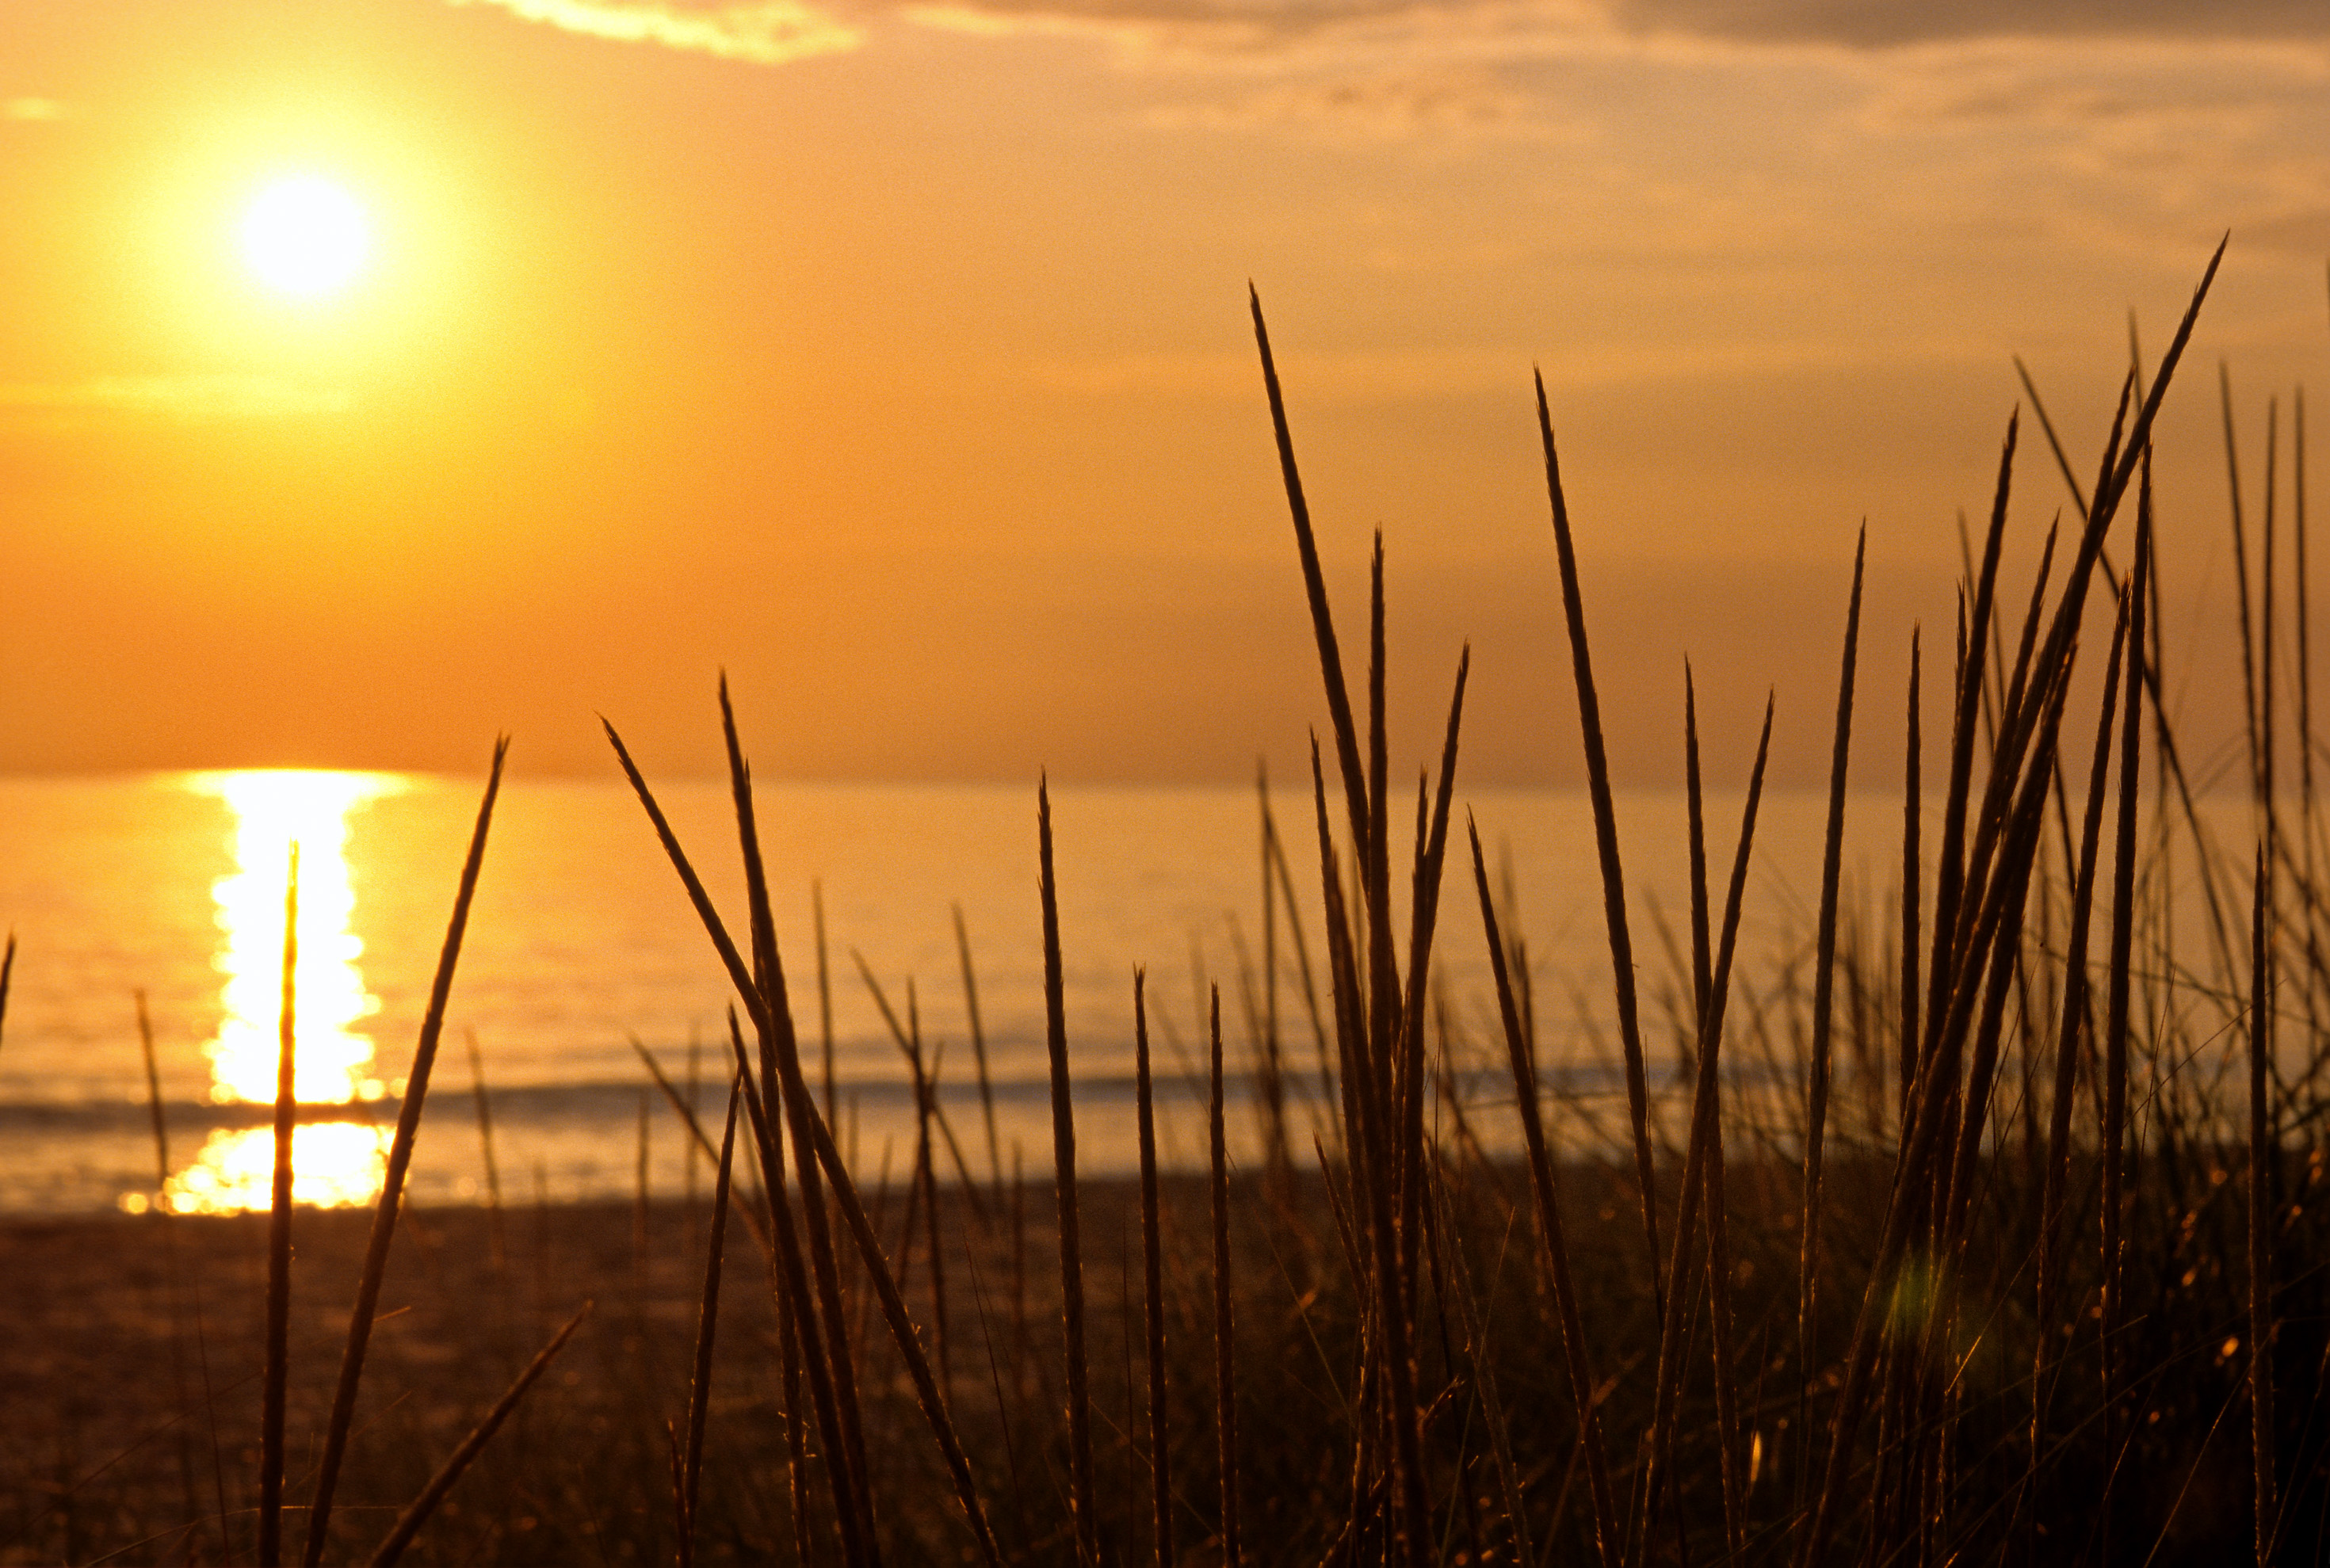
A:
1992	1231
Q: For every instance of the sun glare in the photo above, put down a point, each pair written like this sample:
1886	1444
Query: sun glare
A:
305	236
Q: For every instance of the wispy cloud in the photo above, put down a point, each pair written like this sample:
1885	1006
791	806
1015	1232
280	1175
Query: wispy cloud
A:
768	32
31	109
1449	100
1234	27
2302	234
2139	136
1857	24
1361	377
2179	112
1266	34
178	398
1883	24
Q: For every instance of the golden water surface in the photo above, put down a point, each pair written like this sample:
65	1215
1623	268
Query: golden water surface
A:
336	1162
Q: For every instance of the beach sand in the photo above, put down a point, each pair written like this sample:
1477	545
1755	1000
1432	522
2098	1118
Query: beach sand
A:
132	1377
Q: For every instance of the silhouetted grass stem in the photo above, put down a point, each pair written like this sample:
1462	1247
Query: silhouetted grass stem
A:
400	1160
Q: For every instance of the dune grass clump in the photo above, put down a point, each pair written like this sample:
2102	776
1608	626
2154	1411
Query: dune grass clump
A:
2004	1246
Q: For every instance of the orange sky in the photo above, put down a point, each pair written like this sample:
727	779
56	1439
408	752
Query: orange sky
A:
896	358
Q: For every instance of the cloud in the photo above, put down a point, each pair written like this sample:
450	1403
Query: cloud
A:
32	108
1459	101
178	398
1886	23
1858	24
1245	32
1224	22
2208	92
2195	135
1363	377
2305	233
767	33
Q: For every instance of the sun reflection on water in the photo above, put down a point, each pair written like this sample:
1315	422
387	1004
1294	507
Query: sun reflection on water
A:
272	809
334	1165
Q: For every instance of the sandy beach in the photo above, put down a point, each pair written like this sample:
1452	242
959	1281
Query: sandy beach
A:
132	1376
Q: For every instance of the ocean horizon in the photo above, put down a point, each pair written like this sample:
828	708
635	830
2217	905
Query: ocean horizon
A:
581	942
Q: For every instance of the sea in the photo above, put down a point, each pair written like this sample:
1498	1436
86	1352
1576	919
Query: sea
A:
153	908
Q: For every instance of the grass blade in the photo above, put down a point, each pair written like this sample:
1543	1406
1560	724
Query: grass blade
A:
1161	1468
1911	802
154	1105
1914	1183
1702	1160
771	1012
1281	1160
907	1036
768	975
2054	443
162	1216
1225	1315
2018	685
672	1096
278	1242
2076	1015
1314	584
1083	1498
926	1089
2123	937
2267	805
2113	484
2014	873
1274	863
824	992
1605	839
416	1514
2241	579
1703	959
486	1147
797	1306
1575	1350
707	1321
978	1050
1379	1170
1824	999
1424	913
2305	814
1950	870
2260	1219
400	1160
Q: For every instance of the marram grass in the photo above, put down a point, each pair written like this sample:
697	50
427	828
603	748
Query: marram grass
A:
2019	1261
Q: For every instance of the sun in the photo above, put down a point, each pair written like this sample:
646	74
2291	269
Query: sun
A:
305	236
